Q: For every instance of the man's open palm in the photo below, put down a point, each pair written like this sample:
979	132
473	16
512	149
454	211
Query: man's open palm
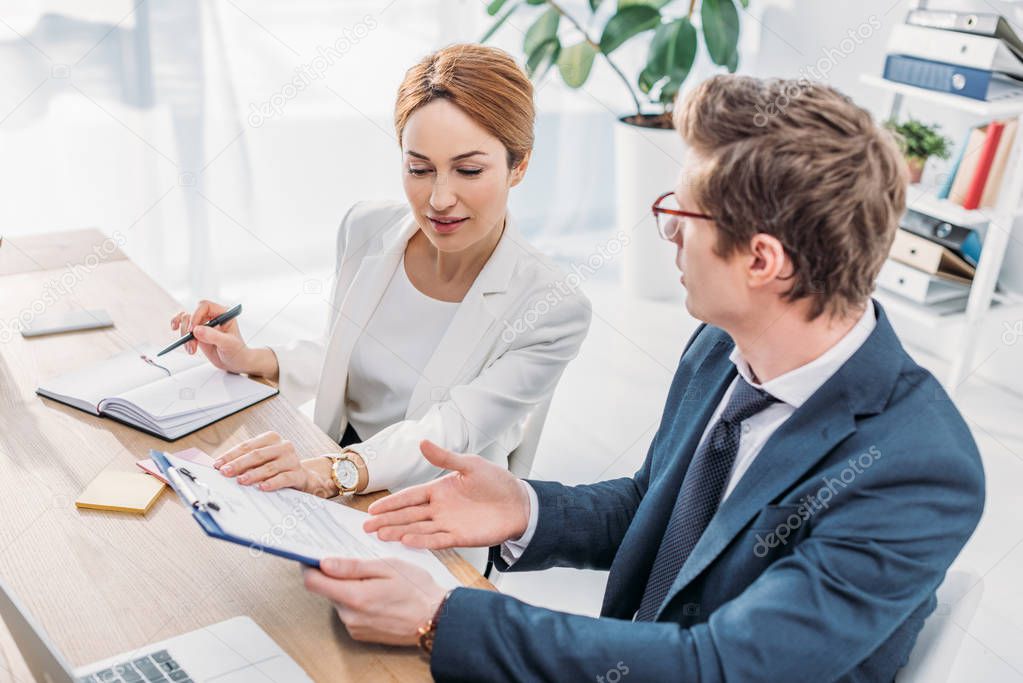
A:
478	504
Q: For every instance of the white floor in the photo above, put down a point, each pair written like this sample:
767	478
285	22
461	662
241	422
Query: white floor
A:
605	413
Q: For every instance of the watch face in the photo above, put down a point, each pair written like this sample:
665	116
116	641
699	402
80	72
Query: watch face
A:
347	473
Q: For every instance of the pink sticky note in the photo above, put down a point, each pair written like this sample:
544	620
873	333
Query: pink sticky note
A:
193	455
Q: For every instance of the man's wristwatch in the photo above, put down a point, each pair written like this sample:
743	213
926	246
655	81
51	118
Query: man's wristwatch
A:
428	631
344	472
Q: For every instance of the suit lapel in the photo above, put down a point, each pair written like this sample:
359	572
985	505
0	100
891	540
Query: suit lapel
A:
363	296
701	397
677	440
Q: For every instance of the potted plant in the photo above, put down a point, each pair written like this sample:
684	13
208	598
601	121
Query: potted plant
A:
648	152
919	142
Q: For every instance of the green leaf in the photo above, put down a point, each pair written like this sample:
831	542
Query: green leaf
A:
744	3
595	5
669	91
575	63
541	58
495	7
720	29
672	50
500	22
919	140
647	81
628	22
535	2
733	62
542	30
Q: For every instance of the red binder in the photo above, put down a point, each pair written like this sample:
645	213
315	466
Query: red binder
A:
987	155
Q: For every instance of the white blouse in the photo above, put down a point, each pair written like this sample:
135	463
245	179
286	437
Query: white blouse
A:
390	355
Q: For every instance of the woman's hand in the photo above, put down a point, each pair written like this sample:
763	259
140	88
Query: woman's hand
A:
271	462
223	345
479	504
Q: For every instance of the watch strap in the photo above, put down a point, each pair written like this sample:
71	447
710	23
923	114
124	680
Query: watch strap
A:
428	631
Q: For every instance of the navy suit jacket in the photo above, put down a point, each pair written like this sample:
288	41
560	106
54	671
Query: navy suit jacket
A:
820	566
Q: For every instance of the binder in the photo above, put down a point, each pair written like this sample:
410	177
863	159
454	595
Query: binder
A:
987	155
978	23
918	286
946	186
968	165
997	174
962	49
977	84
965	242
930	257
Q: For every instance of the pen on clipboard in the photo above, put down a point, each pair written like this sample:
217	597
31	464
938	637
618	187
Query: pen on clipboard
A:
174	474
229	314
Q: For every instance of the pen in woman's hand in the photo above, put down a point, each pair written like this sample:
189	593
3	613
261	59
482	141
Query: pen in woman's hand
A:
224	317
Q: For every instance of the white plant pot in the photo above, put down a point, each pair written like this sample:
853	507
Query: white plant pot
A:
647	163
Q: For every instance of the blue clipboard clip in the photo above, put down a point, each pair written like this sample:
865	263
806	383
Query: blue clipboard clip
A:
184	483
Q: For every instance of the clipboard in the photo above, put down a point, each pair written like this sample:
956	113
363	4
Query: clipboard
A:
319	527
179	482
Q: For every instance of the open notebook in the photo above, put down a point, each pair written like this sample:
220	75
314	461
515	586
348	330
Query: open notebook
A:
181	394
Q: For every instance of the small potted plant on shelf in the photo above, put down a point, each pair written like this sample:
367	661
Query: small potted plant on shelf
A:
647	149
919	142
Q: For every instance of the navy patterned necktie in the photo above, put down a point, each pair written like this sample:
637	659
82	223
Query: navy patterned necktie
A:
702	488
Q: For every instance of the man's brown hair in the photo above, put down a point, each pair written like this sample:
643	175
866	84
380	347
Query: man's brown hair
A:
798	161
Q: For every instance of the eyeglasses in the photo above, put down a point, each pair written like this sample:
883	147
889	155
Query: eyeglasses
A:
667	212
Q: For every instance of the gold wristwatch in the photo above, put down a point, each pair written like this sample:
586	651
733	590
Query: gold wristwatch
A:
428	631
344	472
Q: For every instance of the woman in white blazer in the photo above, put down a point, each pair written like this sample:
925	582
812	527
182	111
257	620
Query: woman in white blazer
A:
446	325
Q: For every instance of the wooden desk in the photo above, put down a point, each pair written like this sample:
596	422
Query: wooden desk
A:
30	253
101	583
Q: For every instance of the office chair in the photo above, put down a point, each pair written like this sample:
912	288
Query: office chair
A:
938	644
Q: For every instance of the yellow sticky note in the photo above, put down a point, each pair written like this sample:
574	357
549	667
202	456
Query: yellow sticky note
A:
121	492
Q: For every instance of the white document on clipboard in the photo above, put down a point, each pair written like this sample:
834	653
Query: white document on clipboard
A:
287	523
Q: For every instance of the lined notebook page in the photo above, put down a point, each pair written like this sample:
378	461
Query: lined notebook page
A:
203	389
87	387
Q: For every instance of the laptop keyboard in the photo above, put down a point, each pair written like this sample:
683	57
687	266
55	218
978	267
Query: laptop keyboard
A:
158	667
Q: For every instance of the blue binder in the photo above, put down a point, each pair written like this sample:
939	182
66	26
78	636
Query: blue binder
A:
201	514
946	187
941	77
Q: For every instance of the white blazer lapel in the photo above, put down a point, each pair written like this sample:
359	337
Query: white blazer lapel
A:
483	305
363	295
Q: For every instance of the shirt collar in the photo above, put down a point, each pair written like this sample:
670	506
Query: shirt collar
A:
796	386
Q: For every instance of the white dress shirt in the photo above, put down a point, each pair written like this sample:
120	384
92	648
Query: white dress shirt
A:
388	359
791	389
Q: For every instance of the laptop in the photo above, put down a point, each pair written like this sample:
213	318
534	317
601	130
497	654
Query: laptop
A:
232	651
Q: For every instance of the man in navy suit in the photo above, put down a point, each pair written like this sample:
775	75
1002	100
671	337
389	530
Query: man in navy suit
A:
809	484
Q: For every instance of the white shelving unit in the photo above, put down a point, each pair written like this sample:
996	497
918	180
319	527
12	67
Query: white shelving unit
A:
998	221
